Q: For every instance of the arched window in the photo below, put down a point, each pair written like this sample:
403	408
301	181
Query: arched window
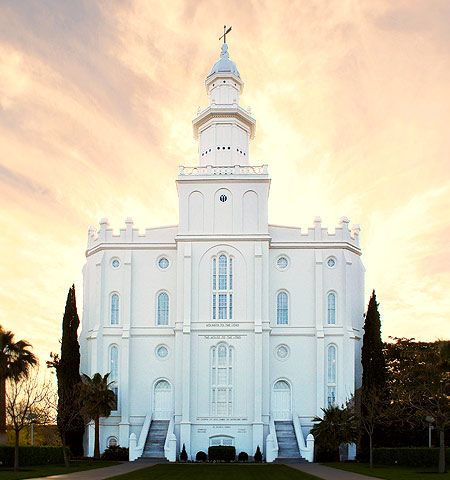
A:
112	442
222	381
332	378
163	309
331	318
282	309
114	372
114	309
222	288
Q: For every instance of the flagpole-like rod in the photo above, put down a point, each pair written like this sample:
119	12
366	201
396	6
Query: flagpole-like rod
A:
225	31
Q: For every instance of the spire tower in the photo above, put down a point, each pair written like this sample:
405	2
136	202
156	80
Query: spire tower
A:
224	129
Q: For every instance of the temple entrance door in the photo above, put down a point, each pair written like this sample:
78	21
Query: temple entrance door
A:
281	401
163	405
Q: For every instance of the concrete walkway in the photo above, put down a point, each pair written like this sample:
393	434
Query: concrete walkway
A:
327	473
102	473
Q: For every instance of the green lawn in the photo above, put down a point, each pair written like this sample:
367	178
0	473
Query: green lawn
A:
216	472
389	472
47	470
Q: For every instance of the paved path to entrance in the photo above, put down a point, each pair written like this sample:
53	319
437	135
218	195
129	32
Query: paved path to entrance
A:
327	473
101	473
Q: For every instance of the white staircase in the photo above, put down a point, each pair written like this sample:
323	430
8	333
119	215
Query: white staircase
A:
154	445
287	441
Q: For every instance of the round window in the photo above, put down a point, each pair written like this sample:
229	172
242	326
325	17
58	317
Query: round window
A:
162	352
223	198
163	263
331	262
282	352
115	263
282	263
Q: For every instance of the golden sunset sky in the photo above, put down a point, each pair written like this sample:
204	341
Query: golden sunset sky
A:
352	102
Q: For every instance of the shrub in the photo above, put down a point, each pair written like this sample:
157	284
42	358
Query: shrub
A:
243	457
201	456
31	455
183	454
258	455
116	452
223	453
409	456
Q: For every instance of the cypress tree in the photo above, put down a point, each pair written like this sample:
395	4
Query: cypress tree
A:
372	358
70	421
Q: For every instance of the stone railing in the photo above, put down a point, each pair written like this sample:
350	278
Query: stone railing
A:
225	170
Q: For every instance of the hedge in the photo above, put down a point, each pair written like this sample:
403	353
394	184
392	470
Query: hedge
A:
409	456
222	453
116	453
31	455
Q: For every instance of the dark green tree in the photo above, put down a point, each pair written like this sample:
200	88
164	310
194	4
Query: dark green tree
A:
337	426
372	358
183	454
373	390
70	420
258	455
15	362
98	401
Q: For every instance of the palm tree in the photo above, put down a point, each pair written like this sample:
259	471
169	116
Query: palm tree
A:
98	401
15	362
337	426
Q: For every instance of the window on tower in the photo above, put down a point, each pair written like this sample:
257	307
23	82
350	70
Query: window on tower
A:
282	309
332	377
221	381
222	287
163	309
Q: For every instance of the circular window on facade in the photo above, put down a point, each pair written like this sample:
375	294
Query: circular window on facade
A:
115	262
282	263
223	198
331	262
112	442
163	263
282	352
162	352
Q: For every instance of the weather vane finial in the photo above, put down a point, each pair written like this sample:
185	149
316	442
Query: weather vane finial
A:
225	31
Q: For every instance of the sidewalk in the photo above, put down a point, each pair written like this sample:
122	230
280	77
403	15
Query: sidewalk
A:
327	473
102	473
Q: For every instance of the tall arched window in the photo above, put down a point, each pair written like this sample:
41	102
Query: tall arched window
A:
114	309
332	378
222	287
331	318
222	380
114	372
282	309
163	309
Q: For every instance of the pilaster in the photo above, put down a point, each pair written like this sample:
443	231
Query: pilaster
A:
320	340
185	425
124	354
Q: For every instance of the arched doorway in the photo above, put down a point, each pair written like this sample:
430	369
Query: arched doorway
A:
162	406
281	401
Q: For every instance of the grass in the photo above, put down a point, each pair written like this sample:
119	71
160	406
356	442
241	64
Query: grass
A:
216	472
34	471
391	472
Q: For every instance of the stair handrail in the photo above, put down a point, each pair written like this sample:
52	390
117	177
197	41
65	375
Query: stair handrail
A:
170	445
271	442
136	448
306	448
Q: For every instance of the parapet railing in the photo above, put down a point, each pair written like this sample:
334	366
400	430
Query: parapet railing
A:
306	448
170	445
223	170
136	448
271	442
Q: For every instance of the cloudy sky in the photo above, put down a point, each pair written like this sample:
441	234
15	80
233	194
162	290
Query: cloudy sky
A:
352	102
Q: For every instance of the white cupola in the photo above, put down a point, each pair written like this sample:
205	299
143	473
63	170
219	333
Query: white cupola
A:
224	129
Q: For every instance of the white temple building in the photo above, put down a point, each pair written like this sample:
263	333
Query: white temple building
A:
223	329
